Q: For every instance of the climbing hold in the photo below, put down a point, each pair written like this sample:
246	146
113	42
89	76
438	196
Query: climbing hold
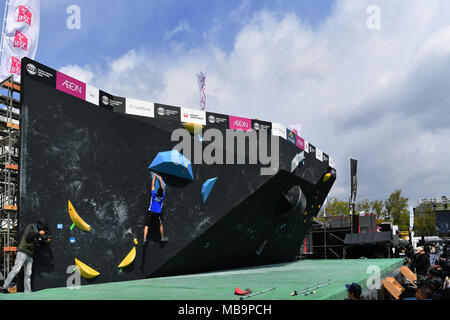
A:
135	241
174	163
77	220
207	187
326	177
86	271
296	161
128	259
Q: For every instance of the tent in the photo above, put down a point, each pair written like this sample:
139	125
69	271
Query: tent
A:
370	244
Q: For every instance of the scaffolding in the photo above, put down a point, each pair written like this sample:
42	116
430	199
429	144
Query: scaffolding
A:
9	173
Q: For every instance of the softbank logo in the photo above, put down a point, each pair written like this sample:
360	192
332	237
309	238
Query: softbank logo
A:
214	147
70	85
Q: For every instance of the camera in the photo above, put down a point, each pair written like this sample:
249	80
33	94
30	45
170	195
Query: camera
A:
43	237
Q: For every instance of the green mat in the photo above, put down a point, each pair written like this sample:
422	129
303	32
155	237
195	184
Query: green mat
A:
221	285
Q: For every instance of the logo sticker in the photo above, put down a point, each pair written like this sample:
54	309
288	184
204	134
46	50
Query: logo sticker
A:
70	85
237	123
25	14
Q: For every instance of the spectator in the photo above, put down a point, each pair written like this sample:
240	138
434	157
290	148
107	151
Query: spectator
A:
436	287
420	263
424	292
353	291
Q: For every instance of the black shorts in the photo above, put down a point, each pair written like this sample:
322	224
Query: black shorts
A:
152	217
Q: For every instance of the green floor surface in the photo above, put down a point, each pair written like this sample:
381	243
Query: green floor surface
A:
221	285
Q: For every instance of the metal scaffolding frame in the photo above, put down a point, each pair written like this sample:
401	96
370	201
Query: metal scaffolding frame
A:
9	173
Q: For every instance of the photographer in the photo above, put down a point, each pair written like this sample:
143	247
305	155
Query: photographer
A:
34	236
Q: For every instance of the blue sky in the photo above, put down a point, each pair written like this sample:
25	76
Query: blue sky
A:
111	28
378	95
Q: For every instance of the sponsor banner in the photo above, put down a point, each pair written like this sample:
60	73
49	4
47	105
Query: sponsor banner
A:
139	108
237	123
92	94
296	128
261	125
411	218
110	102
300	142
39	72
217	120
291	136
20	36
353	182
311	148
70	85
306	146
166	112
326	158
193	116
278	130
319	154
331	162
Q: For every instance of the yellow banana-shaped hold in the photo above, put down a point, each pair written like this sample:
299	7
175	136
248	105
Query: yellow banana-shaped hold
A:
86	271
128	259
77	220
326	177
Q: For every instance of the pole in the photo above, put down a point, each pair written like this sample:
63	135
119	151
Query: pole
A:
3	26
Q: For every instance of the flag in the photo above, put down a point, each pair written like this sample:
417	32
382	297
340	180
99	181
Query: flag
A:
296	128
353	184
201	77
20	35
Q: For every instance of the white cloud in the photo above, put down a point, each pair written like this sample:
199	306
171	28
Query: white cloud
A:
379	96
183	26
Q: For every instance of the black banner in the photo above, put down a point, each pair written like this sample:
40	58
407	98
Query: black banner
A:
261	125
39	72
110	102
217	120
312	149
443	222
353	182
166	112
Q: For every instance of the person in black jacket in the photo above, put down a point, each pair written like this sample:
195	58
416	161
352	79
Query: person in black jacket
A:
420	264
34	236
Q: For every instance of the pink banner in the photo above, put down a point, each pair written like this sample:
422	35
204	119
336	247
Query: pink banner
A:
70	85
237	123
300	143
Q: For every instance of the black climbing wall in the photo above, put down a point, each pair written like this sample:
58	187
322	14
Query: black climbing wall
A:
98	159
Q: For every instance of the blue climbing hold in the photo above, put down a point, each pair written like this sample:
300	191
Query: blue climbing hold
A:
174	163
207	187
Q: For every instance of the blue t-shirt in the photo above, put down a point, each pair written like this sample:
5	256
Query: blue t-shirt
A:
156	203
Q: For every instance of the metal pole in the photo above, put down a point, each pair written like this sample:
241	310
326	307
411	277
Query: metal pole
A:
5	15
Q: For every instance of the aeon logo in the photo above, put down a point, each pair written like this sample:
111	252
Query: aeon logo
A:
186	115
22	41
25	14
72	86
241	124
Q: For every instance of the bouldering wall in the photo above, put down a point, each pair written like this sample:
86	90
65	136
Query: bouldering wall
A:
92	152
